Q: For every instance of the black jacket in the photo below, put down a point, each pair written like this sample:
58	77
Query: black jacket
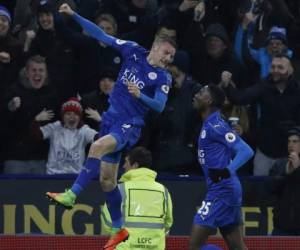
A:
287	205
95	100
60	61
175	130
278	112
20	145
9	71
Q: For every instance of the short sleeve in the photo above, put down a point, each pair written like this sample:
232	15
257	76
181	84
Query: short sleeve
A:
125	47
222	133
164	83
89	134
49	129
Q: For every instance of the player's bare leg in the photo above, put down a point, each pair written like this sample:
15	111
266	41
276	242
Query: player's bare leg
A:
234	238
108	181
104	145
108	177
199	236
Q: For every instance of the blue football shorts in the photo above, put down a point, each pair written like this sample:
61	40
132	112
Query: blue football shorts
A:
124	131
217	214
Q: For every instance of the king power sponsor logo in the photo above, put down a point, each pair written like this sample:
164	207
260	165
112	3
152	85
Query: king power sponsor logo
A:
130	77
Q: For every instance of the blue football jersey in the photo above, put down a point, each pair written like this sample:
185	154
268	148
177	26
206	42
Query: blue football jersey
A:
136	69
215	145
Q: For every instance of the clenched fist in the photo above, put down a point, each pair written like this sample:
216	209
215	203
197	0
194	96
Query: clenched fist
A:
226	79
4	57
30	34
66	9
14	104
134	90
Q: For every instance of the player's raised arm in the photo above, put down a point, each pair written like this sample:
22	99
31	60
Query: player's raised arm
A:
92	29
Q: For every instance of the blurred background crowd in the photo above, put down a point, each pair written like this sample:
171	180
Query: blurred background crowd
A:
55	80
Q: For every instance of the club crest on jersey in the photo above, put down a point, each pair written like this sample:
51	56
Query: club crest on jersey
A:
203	134
230	137
120	42
165	89
117	60
152	75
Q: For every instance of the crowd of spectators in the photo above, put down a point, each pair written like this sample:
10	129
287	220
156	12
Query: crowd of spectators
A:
250	48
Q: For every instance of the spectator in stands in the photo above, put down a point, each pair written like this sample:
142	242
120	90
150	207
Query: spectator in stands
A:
239	120
278	96
58	54
68	138
24	100
129	14
10	63
147	31
24	18
236	116
10	52
218	56
276	43
147	204
224	12
174	135
212	56
93	58
286	187
96	102
215	12
267	13
293	27
25	15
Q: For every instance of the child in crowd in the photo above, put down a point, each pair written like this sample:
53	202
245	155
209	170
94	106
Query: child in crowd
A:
68	138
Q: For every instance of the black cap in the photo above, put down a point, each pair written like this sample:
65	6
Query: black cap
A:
45	7
294	131
182	61
218	30
109	73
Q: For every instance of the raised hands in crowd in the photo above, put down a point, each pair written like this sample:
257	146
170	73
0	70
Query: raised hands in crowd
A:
44	115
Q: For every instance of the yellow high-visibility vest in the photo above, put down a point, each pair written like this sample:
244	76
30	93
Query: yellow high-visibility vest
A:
146	208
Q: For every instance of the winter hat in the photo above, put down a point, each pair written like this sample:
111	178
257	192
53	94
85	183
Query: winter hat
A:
5	12
72	104
109	73
294	131
44	7
182	61
218	30
278	33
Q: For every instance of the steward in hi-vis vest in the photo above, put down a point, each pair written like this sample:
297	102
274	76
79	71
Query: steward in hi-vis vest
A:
146	204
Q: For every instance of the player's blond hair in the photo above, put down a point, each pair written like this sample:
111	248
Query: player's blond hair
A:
161	38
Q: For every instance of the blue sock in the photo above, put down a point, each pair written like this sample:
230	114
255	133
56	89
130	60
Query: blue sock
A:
88	171
113	202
